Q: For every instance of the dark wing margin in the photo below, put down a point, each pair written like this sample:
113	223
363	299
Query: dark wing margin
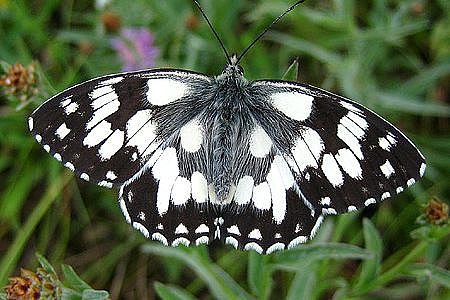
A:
105	129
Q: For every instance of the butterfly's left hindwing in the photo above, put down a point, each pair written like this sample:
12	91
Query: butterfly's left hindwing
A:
107	128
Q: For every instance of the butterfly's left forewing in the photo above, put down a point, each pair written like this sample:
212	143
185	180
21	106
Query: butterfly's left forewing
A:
106	129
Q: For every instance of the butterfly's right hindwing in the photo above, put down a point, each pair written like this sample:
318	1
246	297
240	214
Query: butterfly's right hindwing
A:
107	128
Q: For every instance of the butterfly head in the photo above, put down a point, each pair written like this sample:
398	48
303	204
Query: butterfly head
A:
233	67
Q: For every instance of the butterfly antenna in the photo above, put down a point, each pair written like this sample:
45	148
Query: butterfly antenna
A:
214	31
267	29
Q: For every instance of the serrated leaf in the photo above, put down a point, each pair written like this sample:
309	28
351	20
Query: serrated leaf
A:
91	294
169	292
72	280
434	273
371	267
294	259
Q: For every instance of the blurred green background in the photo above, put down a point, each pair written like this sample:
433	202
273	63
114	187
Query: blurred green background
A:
391	56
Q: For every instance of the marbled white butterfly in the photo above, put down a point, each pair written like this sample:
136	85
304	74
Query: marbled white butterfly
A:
255	164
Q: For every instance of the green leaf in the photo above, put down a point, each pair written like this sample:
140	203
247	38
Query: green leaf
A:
399	102
293	259
302	287
370	267
221	285
259	275
46	265
91	294
168	292
434	273
69	294
72	280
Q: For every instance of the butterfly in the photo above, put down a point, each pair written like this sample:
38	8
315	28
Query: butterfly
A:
254	164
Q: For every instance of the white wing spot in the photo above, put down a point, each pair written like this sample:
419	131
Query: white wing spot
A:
141	132
384	143
69	166
166	171
105	183
410	182
57	156
191	136
229	240
278	192
253	246
182	241
329	211
181	191
295	105
399	190
275	247
112	145
103	107
62	131
349	106
361	122
298	240
351	208
202	240
261	196
71	108
98	134
234	230
370	201
260	142
352	142
349	163
141	228
66	101
38	138
84	176
111	175
163	91
422	169
244	190
308	149
283	171
181	229
255	234
387	169
331	170
202	228
325	201
199	187
47	148
141	216
385	195
30	123
159	237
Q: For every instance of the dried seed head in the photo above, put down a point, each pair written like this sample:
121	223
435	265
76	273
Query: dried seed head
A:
20	81
436	212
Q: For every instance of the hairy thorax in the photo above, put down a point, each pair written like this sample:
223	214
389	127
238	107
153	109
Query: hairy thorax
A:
227	132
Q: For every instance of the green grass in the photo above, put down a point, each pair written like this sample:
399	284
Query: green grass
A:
391	56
